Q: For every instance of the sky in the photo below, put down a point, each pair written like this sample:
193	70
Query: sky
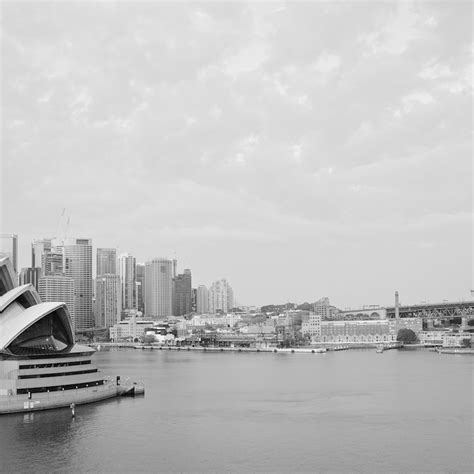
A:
299	150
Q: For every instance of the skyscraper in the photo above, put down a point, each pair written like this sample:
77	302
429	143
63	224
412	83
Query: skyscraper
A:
221	296
182	293
38	248
158	288
52	262
127	273
78	266
9	247
140	287
106	261
108	304
202	299
58	288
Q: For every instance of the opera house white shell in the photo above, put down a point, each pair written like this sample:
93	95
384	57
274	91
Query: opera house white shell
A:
41	366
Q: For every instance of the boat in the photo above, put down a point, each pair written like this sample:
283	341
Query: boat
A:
41	365
380	348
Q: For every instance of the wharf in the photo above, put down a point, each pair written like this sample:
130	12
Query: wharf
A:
296	350
456	351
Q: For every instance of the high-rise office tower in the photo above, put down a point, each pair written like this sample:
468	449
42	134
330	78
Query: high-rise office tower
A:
202	299
221	296
140	287
9	247
106	262
58	288
182	293
78	266
158	288
38	248
52	262
108	304
127	272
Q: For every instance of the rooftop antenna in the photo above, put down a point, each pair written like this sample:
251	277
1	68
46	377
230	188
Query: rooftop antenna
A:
66	230
58	229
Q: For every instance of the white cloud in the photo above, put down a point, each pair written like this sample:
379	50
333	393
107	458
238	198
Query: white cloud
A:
435	70
400	30
246	60
327	63
413	99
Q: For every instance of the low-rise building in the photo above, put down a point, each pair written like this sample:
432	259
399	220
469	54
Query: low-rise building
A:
131	329
311	325
359	339
415	324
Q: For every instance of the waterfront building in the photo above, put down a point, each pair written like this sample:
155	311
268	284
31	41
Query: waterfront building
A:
106	261
415	324
129	330
127	272
182	293
30	275
445	338
356	339
58	288
77	255
158	288
41	366
140	286
201	320
108	300
355	331
202	299
311	325
221	297
9	248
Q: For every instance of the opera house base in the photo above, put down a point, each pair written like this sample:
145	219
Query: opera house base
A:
62	399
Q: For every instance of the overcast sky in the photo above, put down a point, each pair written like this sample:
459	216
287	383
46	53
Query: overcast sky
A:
300	150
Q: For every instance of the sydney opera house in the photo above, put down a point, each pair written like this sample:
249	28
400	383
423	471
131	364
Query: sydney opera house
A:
41	366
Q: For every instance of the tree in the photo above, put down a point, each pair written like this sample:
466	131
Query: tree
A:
466	342
406	336
149	338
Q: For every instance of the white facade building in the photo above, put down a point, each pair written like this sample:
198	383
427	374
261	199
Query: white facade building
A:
130	329
221	296
311	325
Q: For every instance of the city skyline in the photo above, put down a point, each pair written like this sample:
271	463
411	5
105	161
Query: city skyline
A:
314	298
333	159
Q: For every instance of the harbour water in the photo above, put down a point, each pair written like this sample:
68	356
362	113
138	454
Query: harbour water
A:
350	411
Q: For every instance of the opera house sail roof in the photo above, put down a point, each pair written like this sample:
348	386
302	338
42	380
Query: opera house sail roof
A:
41	366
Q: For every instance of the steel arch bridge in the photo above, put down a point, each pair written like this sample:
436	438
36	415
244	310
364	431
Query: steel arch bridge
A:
446	310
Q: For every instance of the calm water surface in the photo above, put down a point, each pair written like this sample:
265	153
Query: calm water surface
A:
354	411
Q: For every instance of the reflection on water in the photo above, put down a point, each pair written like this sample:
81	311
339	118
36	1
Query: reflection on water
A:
345	411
